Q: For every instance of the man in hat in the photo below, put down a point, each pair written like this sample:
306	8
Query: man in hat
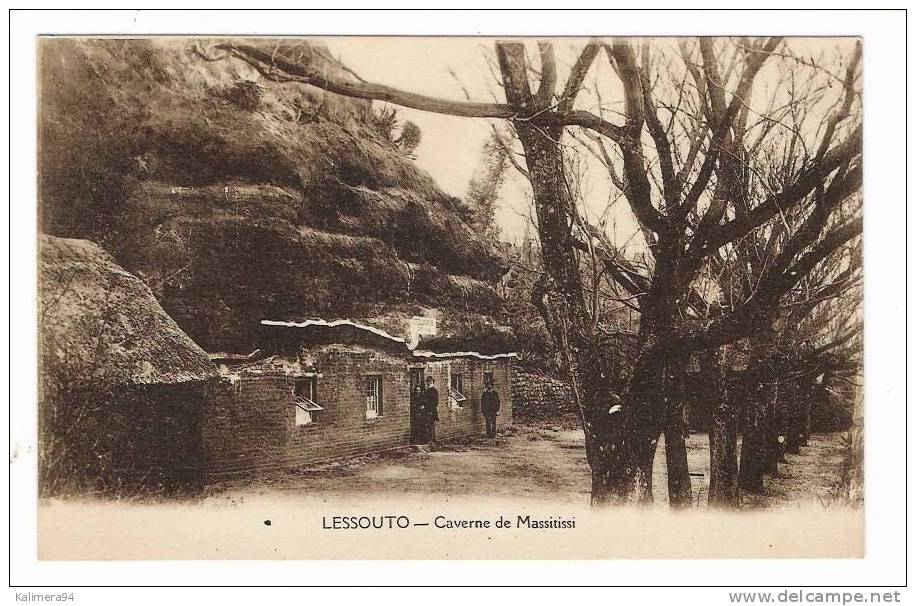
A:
489	406
430	410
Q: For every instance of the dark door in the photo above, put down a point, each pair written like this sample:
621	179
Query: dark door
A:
416	378
416	423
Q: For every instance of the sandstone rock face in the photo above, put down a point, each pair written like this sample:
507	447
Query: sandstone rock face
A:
236	199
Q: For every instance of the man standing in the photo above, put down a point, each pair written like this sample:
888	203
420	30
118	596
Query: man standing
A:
489	406
430	410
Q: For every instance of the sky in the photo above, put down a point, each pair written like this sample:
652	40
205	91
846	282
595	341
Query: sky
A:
451	146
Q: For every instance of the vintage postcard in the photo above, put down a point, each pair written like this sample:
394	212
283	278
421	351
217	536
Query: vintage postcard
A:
450	298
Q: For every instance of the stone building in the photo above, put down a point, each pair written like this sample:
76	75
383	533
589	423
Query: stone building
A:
319	390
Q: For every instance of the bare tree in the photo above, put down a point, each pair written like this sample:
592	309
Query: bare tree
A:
681	160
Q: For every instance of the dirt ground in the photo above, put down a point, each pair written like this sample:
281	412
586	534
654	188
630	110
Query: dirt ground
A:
543	462
538	471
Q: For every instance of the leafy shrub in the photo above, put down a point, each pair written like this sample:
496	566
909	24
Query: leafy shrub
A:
410	137
244	93
386	121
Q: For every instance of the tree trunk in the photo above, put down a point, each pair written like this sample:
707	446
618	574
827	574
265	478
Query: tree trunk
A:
723	435
611	442
622	456
621	435
774	439
679	490
805	420
794	427
753	441
782	423
758	431
621	480
625	439
619	444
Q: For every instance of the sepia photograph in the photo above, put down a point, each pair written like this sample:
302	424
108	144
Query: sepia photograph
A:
586	272
321	293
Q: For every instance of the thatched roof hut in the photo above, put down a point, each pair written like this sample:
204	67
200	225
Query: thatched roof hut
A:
102	324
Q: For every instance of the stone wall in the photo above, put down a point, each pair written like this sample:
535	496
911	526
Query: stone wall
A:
539	397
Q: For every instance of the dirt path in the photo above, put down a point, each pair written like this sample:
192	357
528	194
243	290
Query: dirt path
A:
543	462
805	477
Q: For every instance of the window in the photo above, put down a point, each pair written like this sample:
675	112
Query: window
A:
304	399
456	397
457	382
373	397
488	378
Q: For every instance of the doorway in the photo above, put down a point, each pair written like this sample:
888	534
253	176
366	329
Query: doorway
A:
417	375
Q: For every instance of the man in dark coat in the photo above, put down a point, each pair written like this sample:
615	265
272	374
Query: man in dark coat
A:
489	406
430	410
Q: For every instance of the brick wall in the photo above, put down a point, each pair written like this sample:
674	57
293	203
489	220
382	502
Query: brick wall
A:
249	425
456	422
342	429
245	424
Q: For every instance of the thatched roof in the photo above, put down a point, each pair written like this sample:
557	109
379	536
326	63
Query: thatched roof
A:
99	323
